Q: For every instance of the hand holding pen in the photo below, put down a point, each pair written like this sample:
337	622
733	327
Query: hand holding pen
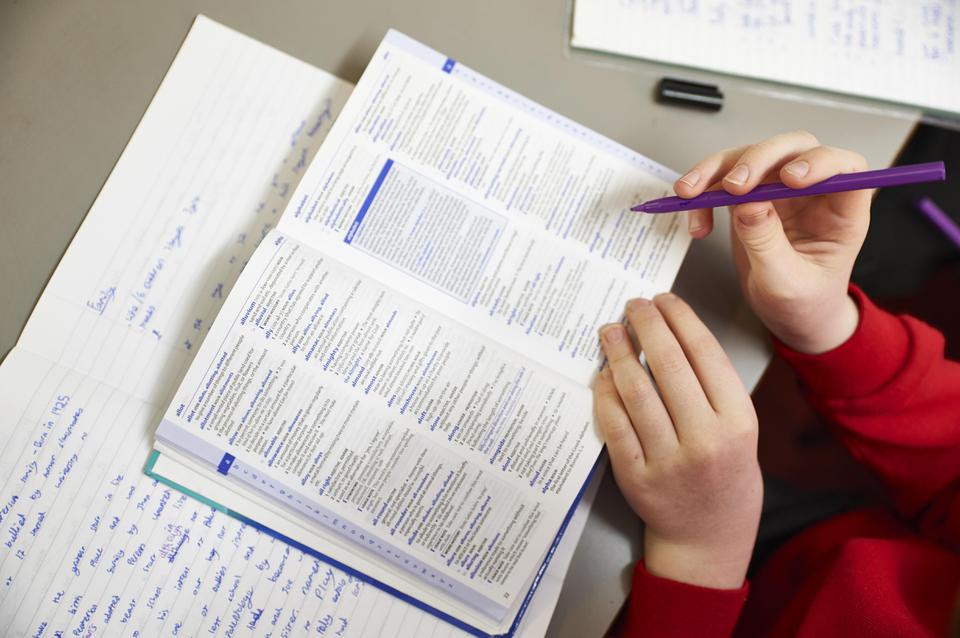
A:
793	256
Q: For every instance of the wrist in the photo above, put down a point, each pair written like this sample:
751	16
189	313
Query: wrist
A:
830	327
722	567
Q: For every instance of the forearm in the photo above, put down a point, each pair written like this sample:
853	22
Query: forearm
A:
895	401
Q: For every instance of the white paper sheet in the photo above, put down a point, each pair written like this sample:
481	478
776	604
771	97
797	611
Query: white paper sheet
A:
536	247
893	50
437	196
302	425
89	544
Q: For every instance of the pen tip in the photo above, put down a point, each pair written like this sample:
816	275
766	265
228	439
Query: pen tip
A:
639	208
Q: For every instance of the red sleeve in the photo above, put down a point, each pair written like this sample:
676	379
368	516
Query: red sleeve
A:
895	400
670	609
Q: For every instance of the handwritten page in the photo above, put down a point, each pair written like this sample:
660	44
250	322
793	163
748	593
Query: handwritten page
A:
90	545
892	50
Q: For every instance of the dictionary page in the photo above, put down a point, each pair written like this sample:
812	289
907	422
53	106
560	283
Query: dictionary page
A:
91	546
442	454
890	50
486	207
407	363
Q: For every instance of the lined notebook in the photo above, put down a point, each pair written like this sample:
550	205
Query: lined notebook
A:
89	545
399	380
904	52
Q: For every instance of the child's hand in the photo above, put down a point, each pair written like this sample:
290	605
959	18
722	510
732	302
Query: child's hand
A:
686	462
794	256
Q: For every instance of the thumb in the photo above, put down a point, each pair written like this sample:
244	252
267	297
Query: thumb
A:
760	231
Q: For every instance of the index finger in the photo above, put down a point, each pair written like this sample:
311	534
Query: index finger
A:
682	393
623	444
763	157
706	172
636	391
710	363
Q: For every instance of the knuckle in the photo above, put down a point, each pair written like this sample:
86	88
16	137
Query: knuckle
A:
603	392
805	136
619	357
707	164
644	323
752	215
717	159
622	365
751	153
671	363
673	466
742	440
615	429
858	161
747	432
762	241
641	320
759	230
637	392
628	478
750	421
617	432
617	351
742	422
639	311
703	346
707	452
669	303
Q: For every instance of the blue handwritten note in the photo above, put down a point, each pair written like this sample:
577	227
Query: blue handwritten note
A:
88	544
890	50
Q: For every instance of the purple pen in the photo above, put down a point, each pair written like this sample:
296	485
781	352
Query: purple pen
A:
896	176
939	219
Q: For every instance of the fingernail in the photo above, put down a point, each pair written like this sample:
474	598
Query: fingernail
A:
638	303
798	168
666	296
612	333
691	178
738	175
694	227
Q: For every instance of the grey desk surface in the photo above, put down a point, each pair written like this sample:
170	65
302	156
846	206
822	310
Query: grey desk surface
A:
75	78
